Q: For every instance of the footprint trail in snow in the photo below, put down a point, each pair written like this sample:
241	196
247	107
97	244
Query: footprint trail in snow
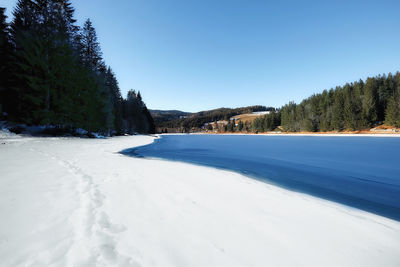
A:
94	243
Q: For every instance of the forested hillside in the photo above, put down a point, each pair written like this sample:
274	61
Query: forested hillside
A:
354	106
52	73
196	121
160	116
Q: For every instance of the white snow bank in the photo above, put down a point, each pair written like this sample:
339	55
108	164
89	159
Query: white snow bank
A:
5	133
77	202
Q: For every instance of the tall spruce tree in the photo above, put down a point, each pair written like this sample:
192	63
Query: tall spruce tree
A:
90	53
369	103
116	100
337	114
7	97
289	122
356	100
136	115
326	107
392	112
349	116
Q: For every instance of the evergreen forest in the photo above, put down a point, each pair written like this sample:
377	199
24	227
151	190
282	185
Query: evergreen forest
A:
354	106
53	73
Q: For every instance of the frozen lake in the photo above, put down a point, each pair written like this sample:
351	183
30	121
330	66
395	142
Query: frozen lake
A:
362	172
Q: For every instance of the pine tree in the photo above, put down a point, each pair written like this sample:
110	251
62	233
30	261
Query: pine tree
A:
131	112
385	90
90	53
349	120
24	19
337	113
326	106
116	99
240	126
7	96
369	103
229	126
289	121
151	128
392	112
357	104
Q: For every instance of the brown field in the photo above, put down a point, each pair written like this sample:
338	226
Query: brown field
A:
248	117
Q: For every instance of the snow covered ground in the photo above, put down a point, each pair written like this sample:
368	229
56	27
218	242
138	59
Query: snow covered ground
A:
78	202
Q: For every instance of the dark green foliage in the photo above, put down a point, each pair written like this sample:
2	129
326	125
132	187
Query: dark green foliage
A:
230	127
151	128
392	116
240	126
369	103
90	52
393	112
54	73
7	96
266	123
289	118
352	107
115	99
338	110
136	114
161	116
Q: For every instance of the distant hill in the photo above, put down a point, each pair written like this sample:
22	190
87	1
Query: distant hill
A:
160	116
179	121
168	112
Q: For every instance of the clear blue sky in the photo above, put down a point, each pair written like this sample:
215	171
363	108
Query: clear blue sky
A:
198	55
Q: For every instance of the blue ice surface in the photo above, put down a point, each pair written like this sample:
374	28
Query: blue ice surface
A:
361	172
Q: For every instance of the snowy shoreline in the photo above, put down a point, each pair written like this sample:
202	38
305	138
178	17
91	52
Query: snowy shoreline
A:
304	134
71	201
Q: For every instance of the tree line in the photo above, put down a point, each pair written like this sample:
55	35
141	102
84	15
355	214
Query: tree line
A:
52	73
354	106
